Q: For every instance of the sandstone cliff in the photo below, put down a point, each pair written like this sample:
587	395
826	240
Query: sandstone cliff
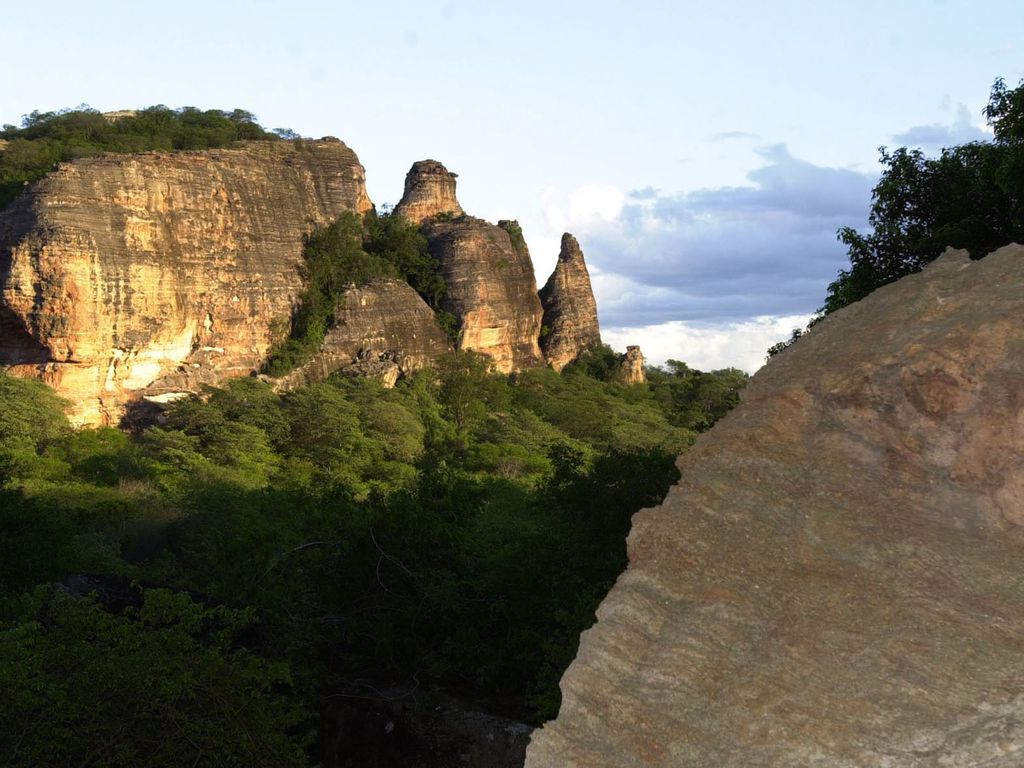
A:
631	367
491	289
383	329
570	312
836	579
429	191
119	271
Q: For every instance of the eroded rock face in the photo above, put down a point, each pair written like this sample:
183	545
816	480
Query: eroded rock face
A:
491	288
836	579
382	330
429	191
631	366
570	312
121	271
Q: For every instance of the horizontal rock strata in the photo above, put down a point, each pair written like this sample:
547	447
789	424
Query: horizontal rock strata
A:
121	270
835	582
429	192
491	289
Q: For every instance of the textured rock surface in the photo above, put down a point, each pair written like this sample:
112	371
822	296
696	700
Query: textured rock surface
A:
383	329
570	312
491	288
631	367
119	271
429	191
836	581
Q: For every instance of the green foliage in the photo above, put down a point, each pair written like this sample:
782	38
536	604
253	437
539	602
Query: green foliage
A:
782	346
352	252
600	362
333	260
459	529
46	138
402	245
160	685
970	196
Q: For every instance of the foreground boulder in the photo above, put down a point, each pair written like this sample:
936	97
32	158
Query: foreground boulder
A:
121	270
836	580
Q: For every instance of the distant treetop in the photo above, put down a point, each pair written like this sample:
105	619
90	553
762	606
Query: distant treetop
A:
45	138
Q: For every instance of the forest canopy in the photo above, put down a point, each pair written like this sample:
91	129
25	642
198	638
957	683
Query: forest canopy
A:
454	533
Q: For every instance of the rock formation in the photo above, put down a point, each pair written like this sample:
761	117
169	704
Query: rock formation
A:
151	275
120	270
429	191
570	313
631	367
836	579
383	329
491	289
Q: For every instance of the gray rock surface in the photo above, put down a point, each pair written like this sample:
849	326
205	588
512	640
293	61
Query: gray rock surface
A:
837	579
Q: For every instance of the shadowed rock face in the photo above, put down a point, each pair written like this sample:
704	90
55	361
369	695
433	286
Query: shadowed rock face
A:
491	289
429	191
836	580
121	270
384	329
570	312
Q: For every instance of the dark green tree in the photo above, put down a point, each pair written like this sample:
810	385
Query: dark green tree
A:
970	196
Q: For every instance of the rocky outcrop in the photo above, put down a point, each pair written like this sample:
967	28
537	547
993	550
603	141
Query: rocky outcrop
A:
569	325
382	330
491	288
429	191
631	367
154	273
836	579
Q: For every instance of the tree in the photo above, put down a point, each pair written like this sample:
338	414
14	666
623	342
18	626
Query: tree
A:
165	684
970	196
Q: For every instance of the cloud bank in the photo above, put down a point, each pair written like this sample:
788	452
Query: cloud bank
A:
716	256
716	276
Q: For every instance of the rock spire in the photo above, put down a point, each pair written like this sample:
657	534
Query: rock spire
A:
429	191
569	325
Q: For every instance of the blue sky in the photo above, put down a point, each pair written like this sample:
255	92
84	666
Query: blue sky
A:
704	154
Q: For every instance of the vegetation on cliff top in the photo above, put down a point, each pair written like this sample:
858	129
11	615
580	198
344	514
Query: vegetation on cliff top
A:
458	531
46	138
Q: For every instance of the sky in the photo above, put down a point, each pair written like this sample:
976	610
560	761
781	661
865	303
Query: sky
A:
704	154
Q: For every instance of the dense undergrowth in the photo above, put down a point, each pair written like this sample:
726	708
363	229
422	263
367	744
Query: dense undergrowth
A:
457	531
46	138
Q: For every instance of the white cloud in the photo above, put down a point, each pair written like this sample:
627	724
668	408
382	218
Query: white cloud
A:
720	255
937	135
595	203
708	347
712	277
